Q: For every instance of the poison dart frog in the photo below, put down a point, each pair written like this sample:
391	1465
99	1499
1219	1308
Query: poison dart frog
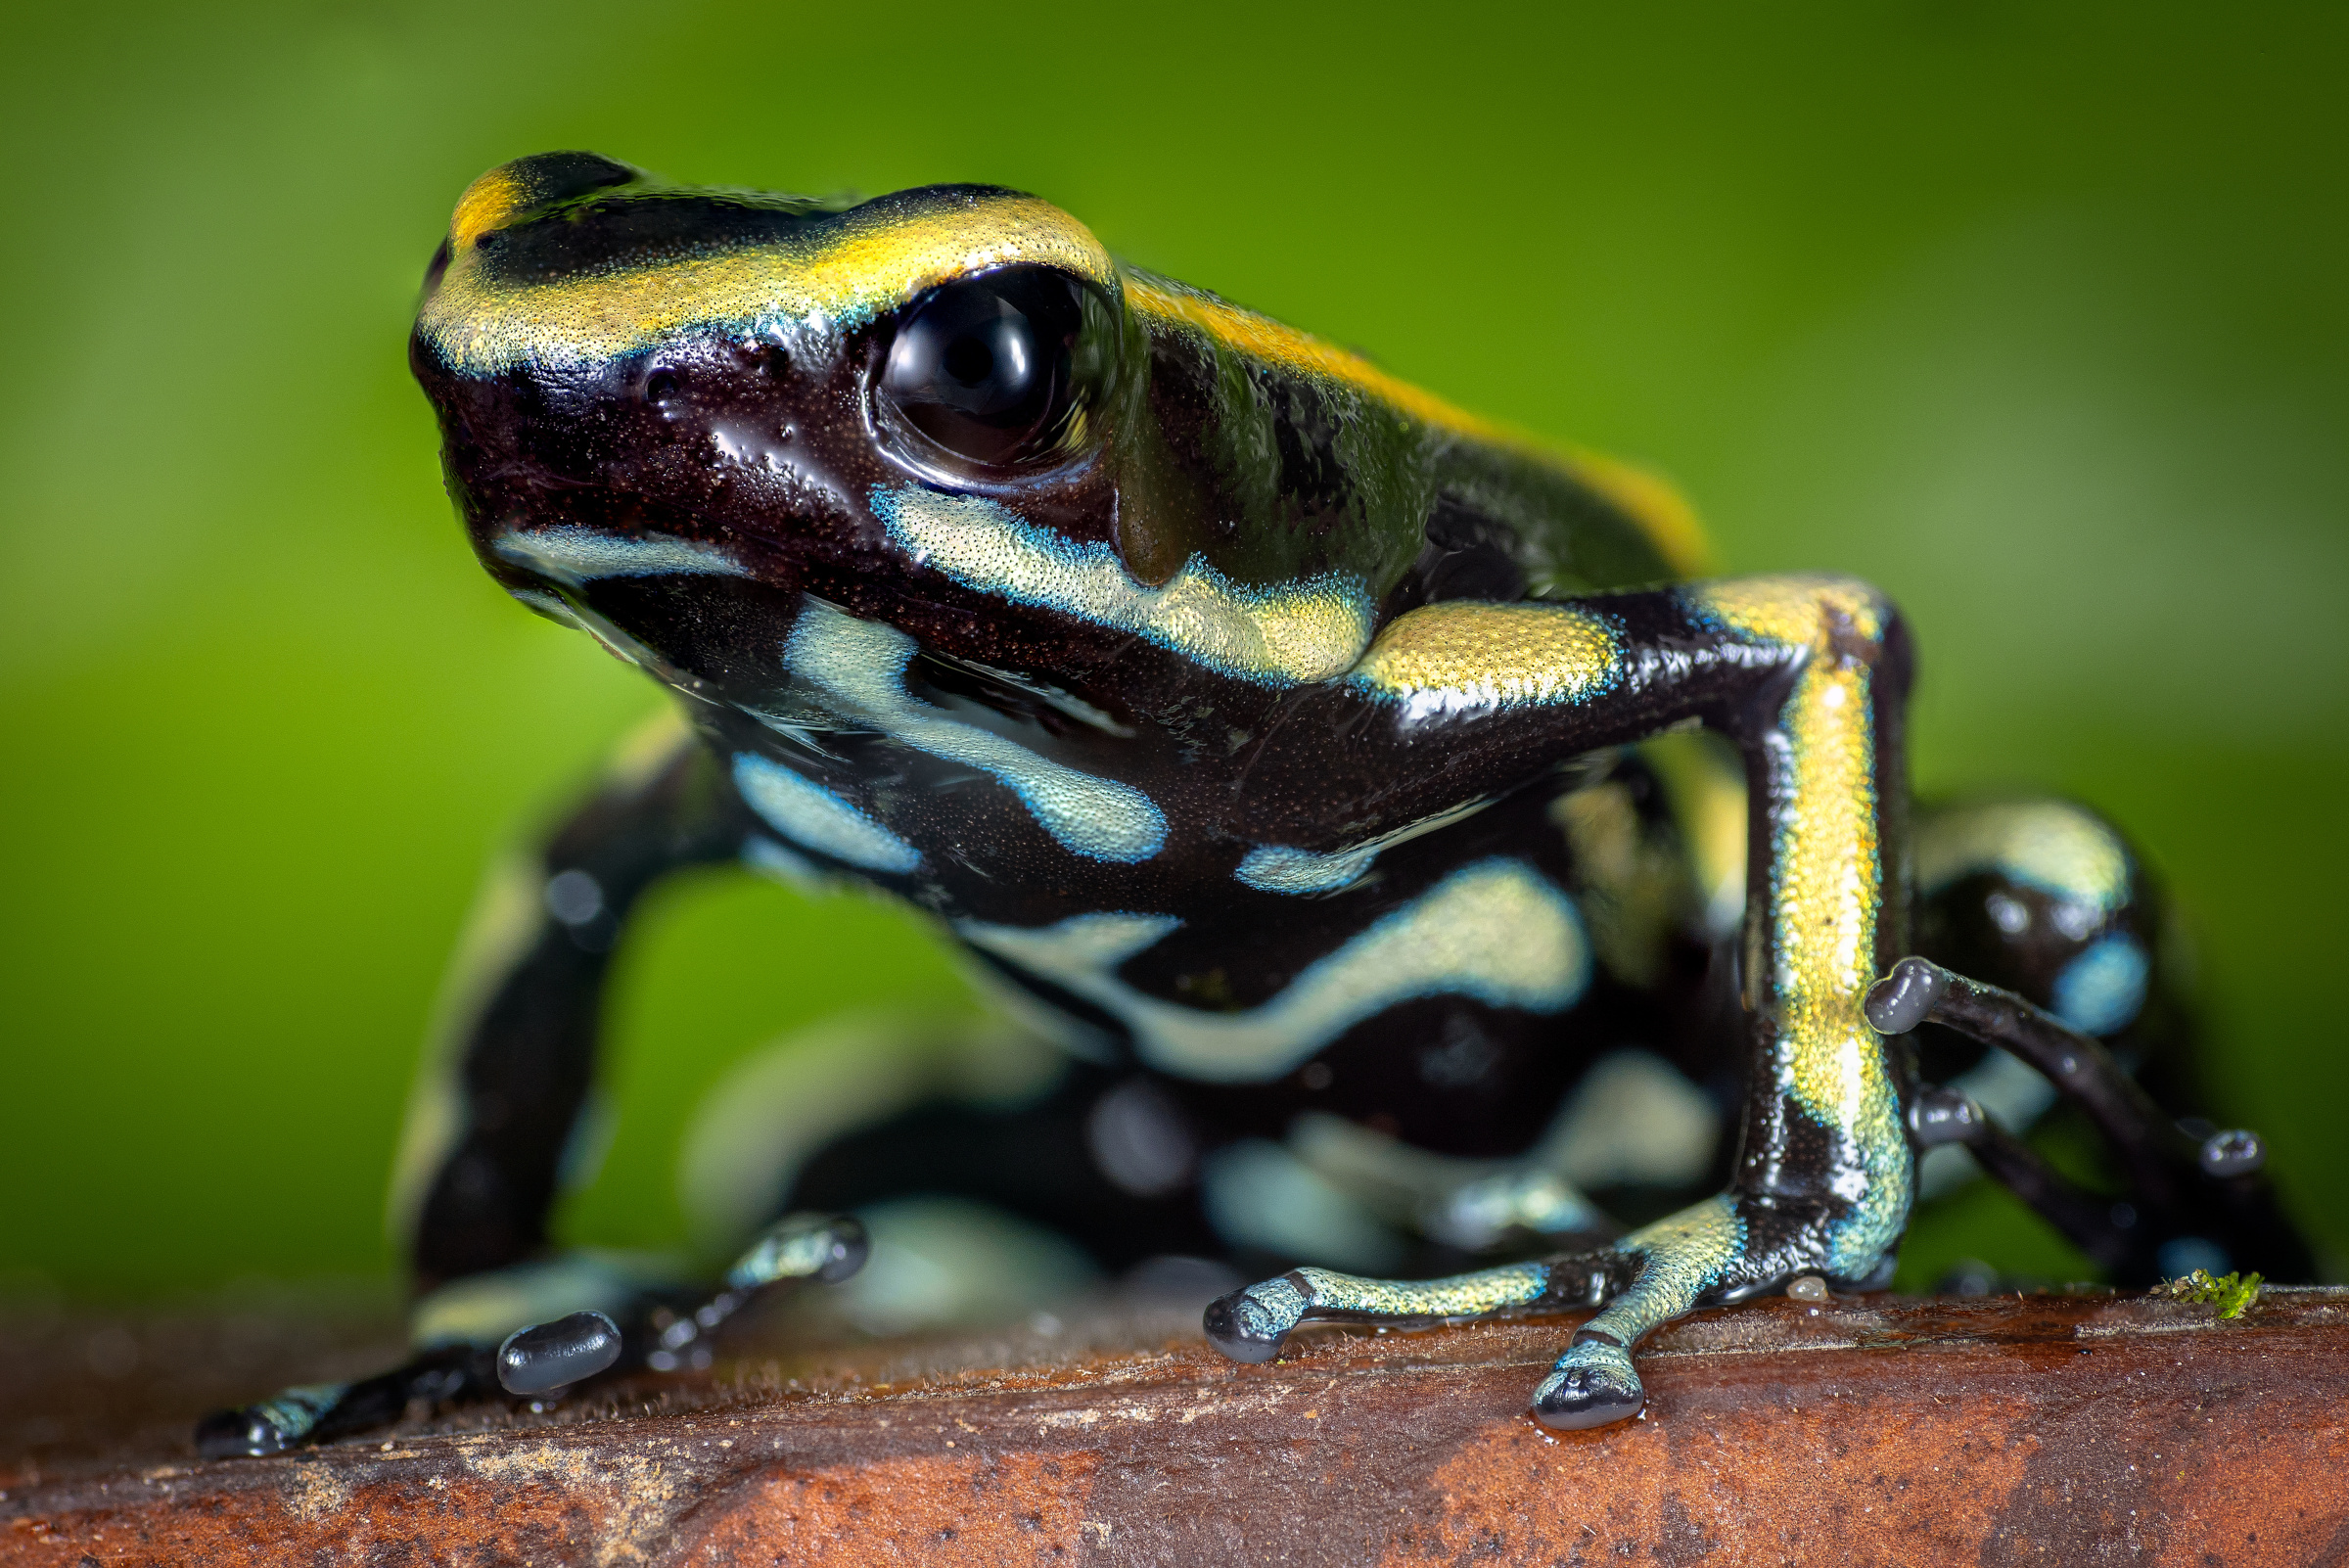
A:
1434	887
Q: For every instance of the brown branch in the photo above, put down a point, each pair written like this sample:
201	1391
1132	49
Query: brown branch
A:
2023	1429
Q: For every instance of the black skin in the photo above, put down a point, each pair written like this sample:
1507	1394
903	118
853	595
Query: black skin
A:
621	448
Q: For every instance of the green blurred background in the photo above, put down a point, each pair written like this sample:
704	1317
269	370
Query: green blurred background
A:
2034	317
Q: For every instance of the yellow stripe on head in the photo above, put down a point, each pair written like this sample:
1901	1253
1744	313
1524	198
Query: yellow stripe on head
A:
510	189
834	269
1662	512
485	205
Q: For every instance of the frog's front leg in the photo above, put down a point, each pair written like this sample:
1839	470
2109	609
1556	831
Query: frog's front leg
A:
537	1358
1809	676
499	1110
500	1106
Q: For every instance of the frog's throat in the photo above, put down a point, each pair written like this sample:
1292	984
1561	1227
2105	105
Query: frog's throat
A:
859	669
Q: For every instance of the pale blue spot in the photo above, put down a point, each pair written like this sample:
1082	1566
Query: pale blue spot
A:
814	818
1277	868
2101	991
576	555
860	666
1259	1194
2182	1255
1282	868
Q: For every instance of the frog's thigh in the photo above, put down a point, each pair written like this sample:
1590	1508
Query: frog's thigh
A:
2041	898
931	1128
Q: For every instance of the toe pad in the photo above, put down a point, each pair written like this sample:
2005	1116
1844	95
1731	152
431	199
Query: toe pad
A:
545	1357
1245	1327
1592	1385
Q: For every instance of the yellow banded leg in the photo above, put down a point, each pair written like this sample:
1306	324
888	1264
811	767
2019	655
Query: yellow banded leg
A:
1808	676
1652	1275
1251	1324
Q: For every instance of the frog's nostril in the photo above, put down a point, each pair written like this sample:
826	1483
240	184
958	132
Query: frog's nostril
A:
663	386
768	359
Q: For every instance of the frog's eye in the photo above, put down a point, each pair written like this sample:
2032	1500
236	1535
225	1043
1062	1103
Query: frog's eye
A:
994	369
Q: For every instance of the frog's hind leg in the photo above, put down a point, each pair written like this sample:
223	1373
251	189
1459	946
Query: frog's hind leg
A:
497	1123
2045	899
2192	1200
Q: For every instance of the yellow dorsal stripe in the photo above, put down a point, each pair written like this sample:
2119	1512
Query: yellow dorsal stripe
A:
1668	521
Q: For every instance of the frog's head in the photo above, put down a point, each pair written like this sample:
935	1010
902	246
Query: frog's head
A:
670	411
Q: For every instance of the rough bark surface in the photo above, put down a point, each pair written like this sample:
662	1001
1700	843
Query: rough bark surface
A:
2021	1430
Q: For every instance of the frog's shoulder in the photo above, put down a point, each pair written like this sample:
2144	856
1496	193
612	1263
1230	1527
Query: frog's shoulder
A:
1571	519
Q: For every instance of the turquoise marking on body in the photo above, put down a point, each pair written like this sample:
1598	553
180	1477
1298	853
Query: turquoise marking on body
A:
577	555
1277	868
2103	990
814	818
1496	931
1284	635
860	665
1280	868
1259	1194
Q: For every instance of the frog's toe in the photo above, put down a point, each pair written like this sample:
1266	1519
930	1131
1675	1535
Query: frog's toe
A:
545	1357
1251	1324
1594	1384
829	1248
238	1434
275	1425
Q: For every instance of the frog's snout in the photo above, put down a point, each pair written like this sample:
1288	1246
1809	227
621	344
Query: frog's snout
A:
511	190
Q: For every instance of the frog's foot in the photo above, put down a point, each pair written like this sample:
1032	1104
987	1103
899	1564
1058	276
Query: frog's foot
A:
825	1249
1650	1277
507	1333
2196	1197
319	1412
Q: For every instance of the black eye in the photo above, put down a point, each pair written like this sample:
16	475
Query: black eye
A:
995	369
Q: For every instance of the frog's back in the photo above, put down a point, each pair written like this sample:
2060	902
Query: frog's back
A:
1314	457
